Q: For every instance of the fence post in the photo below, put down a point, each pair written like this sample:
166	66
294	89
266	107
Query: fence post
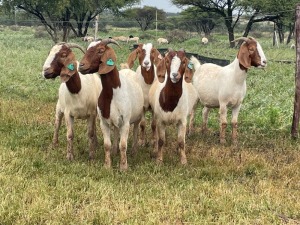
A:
295	123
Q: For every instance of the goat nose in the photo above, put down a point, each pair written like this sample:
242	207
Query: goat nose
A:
146	63
174	74
265	62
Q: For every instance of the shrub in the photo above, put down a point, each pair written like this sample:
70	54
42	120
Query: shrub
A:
177	36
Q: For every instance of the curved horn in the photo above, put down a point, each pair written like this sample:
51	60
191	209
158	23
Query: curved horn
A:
73	45
241	39
110	40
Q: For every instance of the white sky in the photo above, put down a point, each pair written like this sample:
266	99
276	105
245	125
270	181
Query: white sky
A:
165	5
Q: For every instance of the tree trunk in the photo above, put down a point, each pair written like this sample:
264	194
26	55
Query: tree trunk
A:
295	123
291	32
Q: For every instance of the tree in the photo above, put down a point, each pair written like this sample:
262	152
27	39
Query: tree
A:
145	16
224	8
199	21
57	15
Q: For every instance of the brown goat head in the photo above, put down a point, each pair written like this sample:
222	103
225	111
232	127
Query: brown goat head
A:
60	59
147	55
175	64
99	58
250	53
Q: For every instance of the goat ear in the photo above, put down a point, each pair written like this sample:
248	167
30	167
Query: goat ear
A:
244	56
161	70
157	57
108	61
132	57
189	71
68	71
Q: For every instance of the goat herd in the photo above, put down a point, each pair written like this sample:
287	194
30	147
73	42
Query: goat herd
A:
168	86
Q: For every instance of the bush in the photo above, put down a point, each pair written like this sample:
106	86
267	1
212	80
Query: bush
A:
177	36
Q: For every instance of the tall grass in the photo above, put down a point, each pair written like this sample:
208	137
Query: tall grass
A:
257	183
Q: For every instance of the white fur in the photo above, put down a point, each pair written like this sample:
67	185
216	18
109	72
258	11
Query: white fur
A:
82	105
133	39
222	87
178	116
162	41
204	40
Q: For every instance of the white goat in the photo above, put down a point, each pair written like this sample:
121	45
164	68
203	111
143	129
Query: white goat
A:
220	87
78	95
172	99
120	38
204	40
121	99
146	74
133	39
88	38
162	41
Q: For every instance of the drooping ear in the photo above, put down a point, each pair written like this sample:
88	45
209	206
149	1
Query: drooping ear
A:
157	57
108	61
133	55
161	70
68	71
189	71
244	56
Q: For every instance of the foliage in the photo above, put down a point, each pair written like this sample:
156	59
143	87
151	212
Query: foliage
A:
56	15
145	16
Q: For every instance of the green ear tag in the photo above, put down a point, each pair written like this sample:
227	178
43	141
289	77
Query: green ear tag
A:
190	65
71	66
110	62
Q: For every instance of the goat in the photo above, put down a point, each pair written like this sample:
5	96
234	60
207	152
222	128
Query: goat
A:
88	38
131	38
146	74
78	95
222	87
162	41
121	100
172	99
204	40
120	38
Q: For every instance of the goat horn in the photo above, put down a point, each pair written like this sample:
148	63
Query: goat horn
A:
110	40
241	38
73	45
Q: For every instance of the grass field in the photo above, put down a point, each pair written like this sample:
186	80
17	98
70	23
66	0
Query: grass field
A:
257	183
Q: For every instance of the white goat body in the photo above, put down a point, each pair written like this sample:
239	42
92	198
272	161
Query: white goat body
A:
162	41
222	87
166	110
78	95
121	98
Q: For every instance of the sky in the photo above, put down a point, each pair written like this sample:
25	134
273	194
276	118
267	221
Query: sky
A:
165	5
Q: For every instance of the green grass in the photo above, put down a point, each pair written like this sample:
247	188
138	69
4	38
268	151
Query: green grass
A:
257	183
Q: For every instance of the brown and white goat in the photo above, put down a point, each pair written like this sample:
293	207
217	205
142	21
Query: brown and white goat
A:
148	57
222	87
172	98
78	95
121	100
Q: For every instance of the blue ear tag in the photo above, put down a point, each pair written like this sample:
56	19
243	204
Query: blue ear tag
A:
71	66
110	62
190	65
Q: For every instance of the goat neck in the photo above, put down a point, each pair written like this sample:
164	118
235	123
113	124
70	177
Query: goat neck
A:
74	83
109	82
148	75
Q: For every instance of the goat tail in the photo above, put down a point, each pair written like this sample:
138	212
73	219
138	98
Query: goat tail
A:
196	62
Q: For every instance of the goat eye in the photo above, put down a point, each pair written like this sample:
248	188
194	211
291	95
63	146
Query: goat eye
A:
63	55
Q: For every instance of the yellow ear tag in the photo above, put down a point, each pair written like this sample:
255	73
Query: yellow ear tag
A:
110	62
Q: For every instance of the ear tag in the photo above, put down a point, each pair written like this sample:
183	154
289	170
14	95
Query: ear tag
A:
71	66
190	65
110	62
